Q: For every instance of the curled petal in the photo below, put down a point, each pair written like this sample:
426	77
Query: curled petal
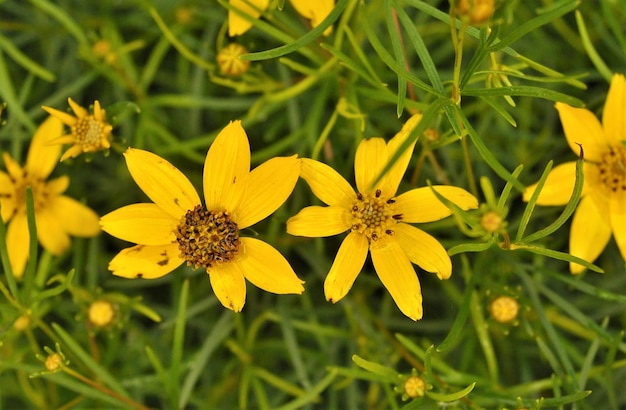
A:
227	168
613	117
397	275
421	205
17	244
589	233
326	183
229	285
319	221
269	185
146	262
423	250
145	224
162	182
582	127
267	269
42	157
346	267
369	161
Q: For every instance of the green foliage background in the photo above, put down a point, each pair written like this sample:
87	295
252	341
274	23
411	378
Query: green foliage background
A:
174	346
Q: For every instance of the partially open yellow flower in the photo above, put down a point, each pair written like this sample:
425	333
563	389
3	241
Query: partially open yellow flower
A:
176	228
602	209
88	132
57	216
378	220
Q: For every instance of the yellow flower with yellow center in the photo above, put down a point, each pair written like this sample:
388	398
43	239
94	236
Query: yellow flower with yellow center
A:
602	208
177	228
88	132
316	11
377	220
57	216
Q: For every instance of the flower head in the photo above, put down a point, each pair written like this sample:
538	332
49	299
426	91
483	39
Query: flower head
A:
602	209
377	220
57	216
177	228
88	132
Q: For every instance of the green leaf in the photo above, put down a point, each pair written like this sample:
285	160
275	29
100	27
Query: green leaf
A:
451	396
525	91
562	256
376	368
25	61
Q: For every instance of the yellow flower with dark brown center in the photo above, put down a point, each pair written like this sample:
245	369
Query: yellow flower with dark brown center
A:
377	220
57	216
229	62
602	208
88	132
177	228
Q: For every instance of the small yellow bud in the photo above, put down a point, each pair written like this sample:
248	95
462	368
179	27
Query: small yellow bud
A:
21	323
475	11
229	62
504	309
414	387
101	313
184	15
53	362
431	134
491	221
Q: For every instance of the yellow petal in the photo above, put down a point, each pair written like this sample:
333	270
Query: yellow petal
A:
227	168
147	262
346	267
395	174
229	285
15	171
78	110
558	187
75	218
397	275
162	182
423	250
17	244
72	152
7	196
50	232
57	186
269	185
65	118
236	23
267	269
614	115
618	220
421	205
369	161
326	183
319	221
42	158
316	11
144	224
98	113
589	233
582	127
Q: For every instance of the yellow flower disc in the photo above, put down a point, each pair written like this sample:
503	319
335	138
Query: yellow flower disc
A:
504	309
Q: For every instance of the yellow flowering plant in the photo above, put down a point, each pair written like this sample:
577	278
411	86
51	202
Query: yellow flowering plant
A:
378	220
57	216
602	210
177	228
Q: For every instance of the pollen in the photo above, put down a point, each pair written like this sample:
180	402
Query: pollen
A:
92	135
612	169
373	215
207	238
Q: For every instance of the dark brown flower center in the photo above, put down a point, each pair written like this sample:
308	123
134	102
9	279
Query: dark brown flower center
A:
374	215
206	238
612	169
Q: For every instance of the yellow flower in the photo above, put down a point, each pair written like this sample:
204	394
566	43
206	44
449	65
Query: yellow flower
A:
57	216
176	228
602	209
89	133
316	11
378	220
